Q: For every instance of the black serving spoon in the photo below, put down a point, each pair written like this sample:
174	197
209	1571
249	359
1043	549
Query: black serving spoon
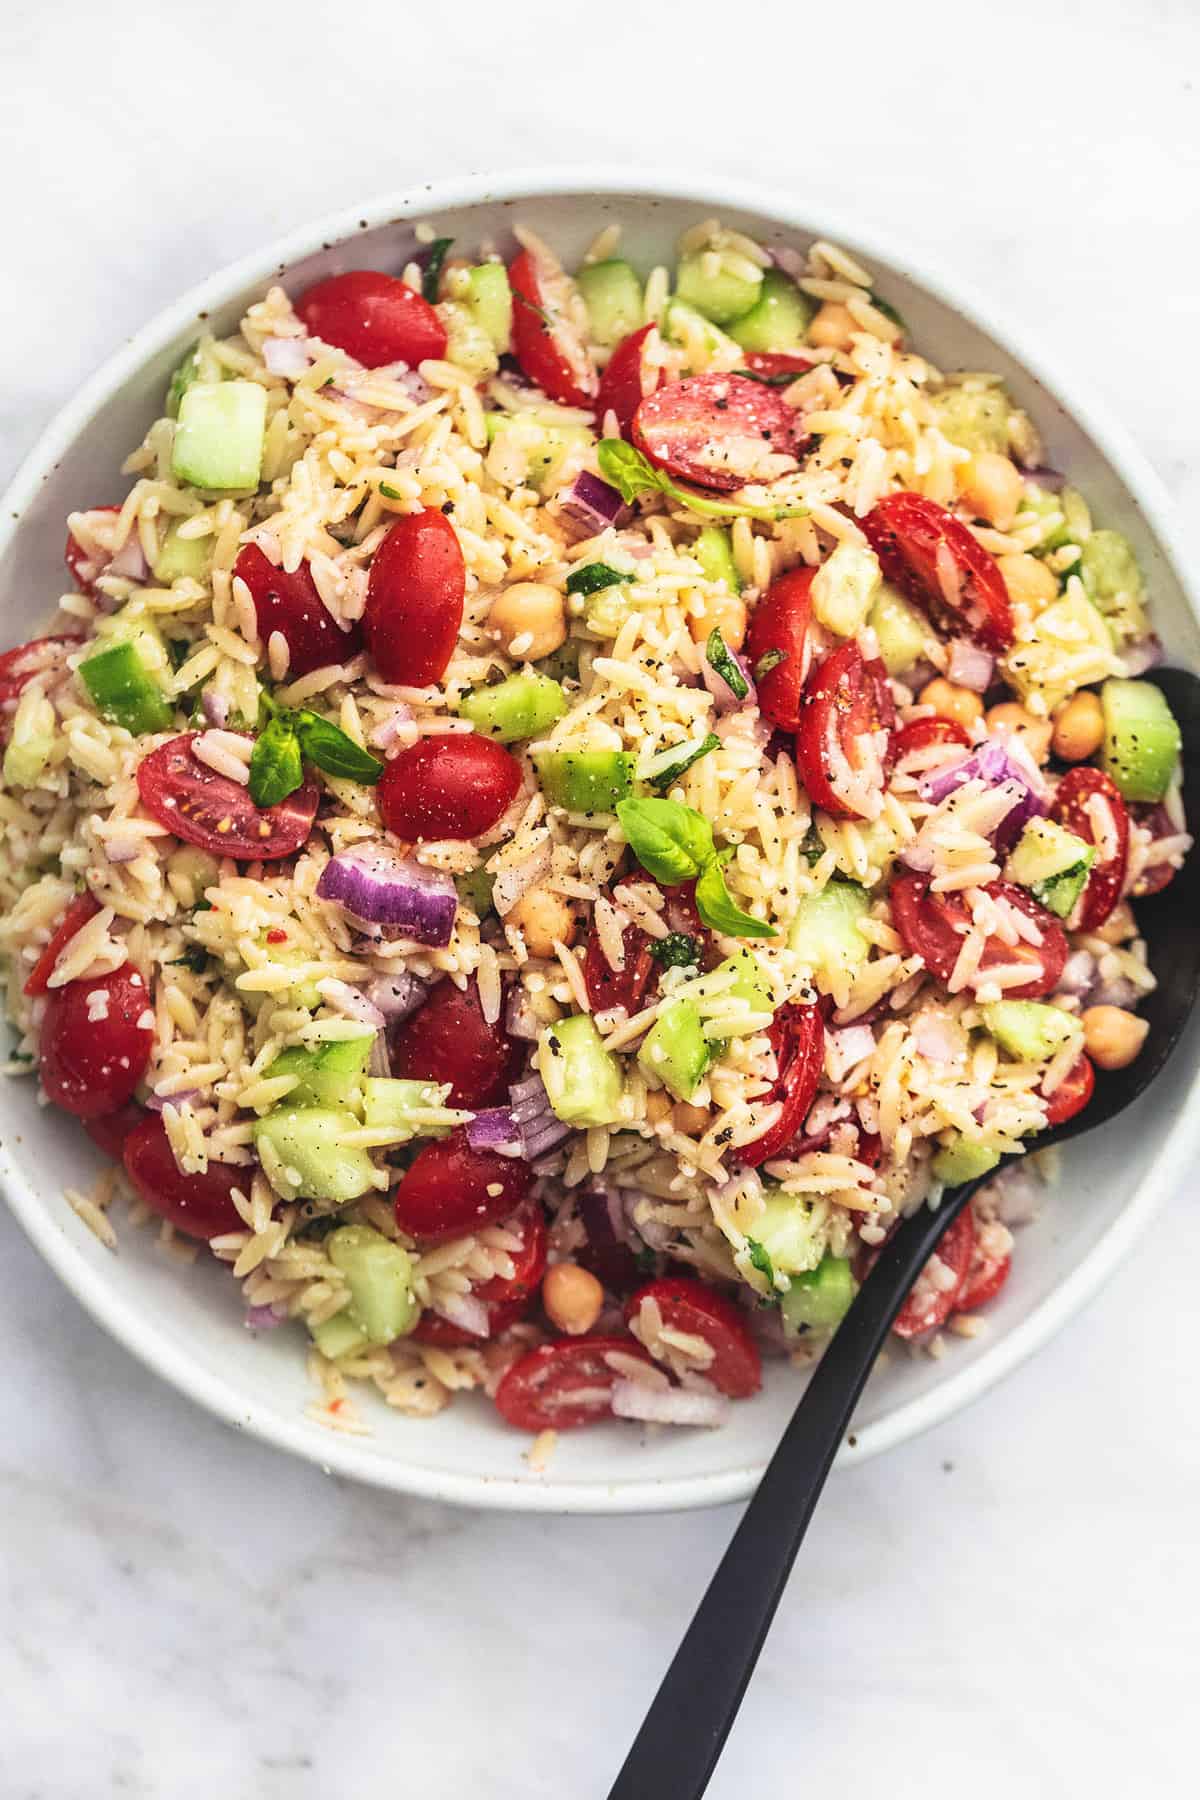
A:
676	1750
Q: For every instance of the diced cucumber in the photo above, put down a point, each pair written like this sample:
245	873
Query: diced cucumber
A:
819	1299
713	550
585	781
976	419
751	985
1070	647
181	380
468	344
1029	1030
721	292
219	437
825	932
1074	520
522	706
562	664
303	993
390	1103
379	1276
778	319
330	1075
1142	740
787	1232
1052	863
314	1164
675	1051
489	300
612	294
124	691
687	329
900	629
475	890
34	727
963	1160
340	1335
543	444
844	589
180	556
582	1078
1108	569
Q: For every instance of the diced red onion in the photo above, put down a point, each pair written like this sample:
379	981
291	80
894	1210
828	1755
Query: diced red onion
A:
937	1038
215	708
993	762
495	1128
1146	653
667	1406
592	502
1015	1193
157	1102
288	356
970	666
384	735
1049	479
724	698
465	1311
1119	991
520	1021
130	561
123	849
846	1048
396	996
539	1126
510	884
747	728
373	883
1079	974
350	1003
263	1318
604	1217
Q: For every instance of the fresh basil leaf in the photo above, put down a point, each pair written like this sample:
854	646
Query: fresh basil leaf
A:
627	469
179	649
678	951
431	279
276	766
760	1259
725	664
591	578
195	958
770	659
663	780
718	909
672	842
327	745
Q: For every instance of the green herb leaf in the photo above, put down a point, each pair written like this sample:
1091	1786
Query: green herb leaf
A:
195	958
672	842
678	951
591	577
276	766
178	649
328	746
760	1259
780	377
389	492
632	474
524	300
888	311
664	779
717	907
770	659
181	381
720	659
647	1260
431	279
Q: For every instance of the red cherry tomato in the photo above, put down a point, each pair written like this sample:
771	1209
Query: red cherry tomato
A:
198	1205
1079	791
415	591
84	570
844	741
210	810
985	1276
693	1307
373	318
451	1189
448	786
507	1298
718	430
18	667
1159	823
546	341
561	1385
919	734
448	1039
929	1306
779	623
91	1062
933	926
110	1130
1072	1093
932	556
798	1039
291	605
776	362
627	379
626	987
81	909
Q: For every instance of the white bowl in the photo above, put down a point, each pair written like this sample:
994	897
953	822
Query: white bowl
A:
186	1323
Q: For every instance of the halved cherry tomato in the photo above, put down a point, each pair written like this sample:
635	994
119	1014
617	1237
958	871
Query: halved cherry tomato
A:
18	668
933	926
217	814
110	1130
450	1189
291	605
1072	1093
84	571
451	785
985	1276
81	909
372	317
779	623
627	379
448	1039
718	430
1159	823
932	556
198	1205
797	1037
546	341
929	1305
92	1060
415	591
776	362
1079	790
844	739
919	734
565	1384
626	987
507	1298
693	1307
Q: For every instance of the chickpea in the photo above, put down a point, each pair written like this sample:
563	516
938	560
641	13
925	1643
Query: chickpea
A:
693	1121
725	612
541	917
1119	926
1113	1037
1011	720
1028	581
833	326
573	1298
529	619
658	1106
1078	728
992	487
951	702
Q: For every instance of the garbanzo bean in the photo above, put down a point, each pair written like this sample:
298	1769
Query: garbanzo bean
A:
529	620
952	702
1011	720
992	487
573	1298
1113	1037
541	917
693	1121
724	612
1078	728
1028	580
658	1106
833	326
1119	926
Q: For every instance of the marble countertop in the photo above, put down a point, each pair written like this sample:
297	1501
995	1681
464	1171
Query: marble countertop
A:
1006	1607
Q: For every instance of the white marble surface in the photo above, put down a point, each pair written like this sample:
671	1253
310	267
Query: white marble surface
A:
1005	1608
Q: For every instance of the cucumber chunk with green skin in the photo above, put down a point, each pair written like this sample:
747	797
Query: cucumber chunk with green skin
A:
180	556
684	326
751	985
475	890
314	1163
340	1335
612	294
825	931
713	550
585	781
522	706
779	318
219	436
786	1231
489	300
844	589
675	1051
1108	569
181	380
379	1276
721	294
976	419
544	444
391	1103
1142	740
582	1079
330	1075
819	1299
1031	1031
901	631
1052	863
124	691
962	1161
468	344
1074	524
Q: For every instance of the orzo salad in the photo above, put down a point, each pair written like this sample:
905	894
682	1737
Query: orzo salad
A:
558	807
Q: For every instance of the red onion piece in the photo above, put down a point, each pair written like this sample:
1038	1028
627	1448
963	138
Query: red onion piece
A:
263	1318
1079	974
396	995
993	762
845	1048
495	1128
350	1003
130	561
156	1102
288	356
1049	479
592	502
603	1217
1015	1193
1146	653
520	1020
215	708
467	1312
970	666
724	698
374	884
667	1406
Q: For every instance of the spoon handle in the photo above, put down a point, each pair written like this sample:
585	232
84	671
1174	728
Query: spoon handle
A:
676	1750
